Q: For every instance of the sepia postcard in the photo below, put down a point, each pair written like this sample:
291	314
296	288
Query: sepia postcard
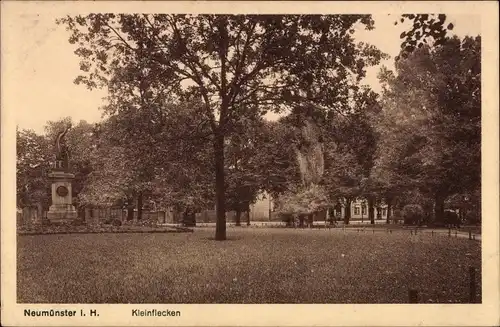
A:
249	163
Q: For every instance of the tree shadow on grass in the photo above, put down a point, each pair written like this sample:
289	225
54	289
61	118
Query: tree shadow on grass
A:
230	238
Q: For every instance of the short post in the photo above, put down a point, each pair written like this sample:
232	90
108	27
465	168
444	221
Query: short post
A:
432	233
470	235
373	231
413	296
411	232
474	237
87	214
455	233
449	232
390	231
416	230
472	285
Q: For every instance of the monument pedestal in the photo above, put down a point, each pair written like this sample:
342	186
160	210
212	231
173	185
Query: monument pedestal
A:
62	209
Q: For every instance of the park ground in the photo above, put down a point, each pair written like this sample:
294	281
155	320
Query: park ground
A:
255	265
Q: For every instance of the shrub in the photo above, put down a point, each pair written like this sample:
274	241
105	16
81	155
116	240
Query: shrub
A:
412	214
287	218
116	222
78	222
451	218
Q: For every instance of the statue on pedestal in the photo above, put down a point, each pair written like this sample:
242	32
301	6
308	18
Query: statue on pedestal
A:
62	209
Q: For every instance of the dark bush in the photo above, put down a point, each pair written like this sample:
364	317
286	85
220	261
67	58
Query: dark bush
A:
451	218
78	222
412	214
116	222
287	218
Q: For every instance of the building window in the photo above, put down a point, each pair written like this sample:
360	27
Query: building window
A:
384	212
356	210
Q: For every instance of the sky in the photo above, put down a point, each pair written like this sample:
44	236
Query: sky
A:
39	67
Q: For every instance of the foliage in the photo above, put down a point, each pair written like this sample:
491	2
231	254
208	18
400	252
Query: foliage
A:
412	214
35	156
32	166
275	158
244	177
350	143
431	121
425	28
239	65
304	201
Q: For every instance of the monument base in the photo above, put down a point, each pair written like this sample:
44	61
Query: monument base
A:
62	214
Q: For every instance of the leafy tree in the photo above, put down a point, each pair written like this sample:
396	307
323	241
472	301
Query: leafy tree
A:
244	179
431	121
233	63
350	151
32	165
275	158
167	164
425	28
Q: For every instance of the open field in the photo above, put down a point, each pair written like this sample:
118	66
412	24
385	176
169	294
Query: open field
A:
266	265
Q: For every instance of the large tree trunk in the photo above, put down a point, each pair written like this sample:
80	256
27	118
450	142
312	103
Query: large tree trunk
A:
248	213
439	208
389	207
238	215
371	210
220	226
347	211
139	206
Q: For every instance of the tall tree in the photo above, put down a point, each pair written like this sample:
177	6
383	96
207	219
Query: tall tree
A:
275	158
244	180
350	143
32	165
229	62
432	116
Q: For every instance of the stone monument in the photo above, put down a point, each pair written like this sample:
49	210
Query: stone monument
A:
62	209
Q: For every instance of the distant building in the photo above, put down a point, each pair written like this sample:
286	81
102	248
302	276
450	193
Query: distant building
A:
359	210
263	208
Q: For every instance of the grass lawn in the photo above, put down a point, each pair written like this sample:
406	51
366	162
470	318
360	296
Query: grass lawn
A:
267	265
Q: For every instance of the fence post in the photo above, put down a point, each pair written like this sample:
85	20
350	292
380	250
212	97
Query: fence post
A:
413	296
87	214
472	285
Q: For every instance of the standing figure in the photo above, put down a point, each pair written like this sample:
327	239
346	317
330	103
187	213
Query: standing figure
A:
62	156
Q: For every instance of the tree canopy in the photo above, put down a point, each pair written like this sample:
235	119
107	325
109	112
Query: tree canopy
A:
235	65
